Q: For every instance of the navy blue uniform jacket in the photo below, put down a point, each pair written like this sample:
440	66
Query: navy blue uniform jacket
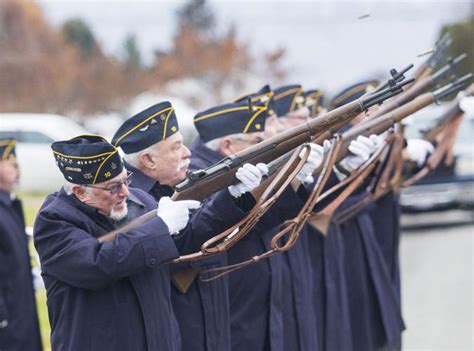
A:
106	296
17	301
202	312
373	302
255	292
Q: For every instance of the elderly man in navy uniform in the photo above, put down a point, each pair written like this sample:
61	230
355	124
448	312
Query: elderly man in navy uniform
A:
375	317
19	329
255	291
155	152
111	295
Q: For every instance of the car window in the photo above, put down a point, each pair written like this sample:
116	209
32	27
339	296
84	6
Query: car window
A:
27	137
9	134
35	137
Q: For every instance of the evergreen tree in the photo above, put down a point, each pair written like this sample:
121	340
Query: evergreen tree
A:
79	34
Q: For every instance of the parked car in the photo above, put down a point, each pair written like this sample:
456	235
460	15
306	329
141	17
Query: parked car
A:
448	187
35	133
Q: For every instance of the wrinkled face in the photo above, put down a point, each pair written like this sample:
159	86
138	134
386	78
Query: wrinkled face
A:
168	162
108	197
231	145
9	175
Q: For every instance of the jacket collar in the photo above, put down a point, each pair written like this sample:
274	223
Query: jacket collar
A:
149	185
5	198
200	150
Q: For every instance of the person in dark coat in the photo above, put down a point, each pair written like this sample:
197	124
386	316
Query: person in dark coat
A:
159	160
111	295
255	292
385	216
375	316
301	325
19	327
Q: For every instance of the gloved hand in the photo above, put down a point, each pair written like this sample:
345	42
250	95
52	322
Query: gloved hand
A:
466	104
175	214
314	160
418	150
361	149
378	139
250	177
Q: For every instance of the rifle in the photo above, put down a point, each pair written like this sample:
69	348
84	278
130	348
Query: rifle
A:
202	183
420	86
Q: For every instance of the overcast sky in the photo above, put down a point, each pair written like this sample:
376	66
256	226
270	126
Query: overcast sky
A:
328	46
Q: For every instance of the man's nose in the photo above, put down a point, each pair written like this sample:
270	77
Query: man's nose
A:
123	192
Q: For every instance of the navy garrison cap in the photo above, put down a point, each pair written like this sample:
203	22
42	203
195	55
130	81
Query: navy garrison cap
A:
246	116
265	91
352	93
287	99
313	99
146	128
87	159
7	149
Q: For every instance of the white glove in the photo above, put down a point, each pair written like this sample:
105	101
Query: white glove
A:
466	104
418	149
314	160
361	149
378	139
175	214
250	177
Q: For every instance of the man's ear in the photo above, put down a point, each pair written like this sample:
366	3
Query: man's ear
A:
79	191
224	146
147	161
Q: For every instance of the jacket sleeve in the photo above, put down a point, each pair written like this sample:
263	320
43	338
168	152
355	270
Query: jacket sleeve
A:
72	255
216	214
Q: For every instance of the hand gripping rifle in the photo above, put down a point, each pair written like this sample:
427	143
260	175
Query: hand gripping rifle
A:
443	134
202	183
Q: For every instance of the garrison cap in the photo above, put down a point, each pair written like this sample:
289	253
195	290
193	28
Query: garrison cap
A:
265	91
237	117
313	99
352	93
87	159
146	128
287	99
7	149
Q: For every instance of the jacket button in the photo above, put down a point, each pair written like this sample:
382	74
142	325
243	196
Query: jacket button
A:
3	324
153	261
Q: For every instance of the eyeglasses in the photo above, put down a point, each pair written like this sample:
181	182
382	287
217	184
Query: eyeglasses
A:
115	187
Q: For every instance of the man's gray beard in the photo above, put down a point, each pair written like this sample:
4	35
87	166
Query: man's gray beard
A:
119	215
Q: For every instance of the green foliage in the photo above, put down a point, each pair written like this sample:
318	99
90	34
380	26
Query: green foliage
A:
132	54
79	34
463	39
197	15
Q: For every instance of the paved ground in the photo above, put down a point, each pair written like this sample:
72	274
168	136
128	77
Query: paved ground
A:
437	277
